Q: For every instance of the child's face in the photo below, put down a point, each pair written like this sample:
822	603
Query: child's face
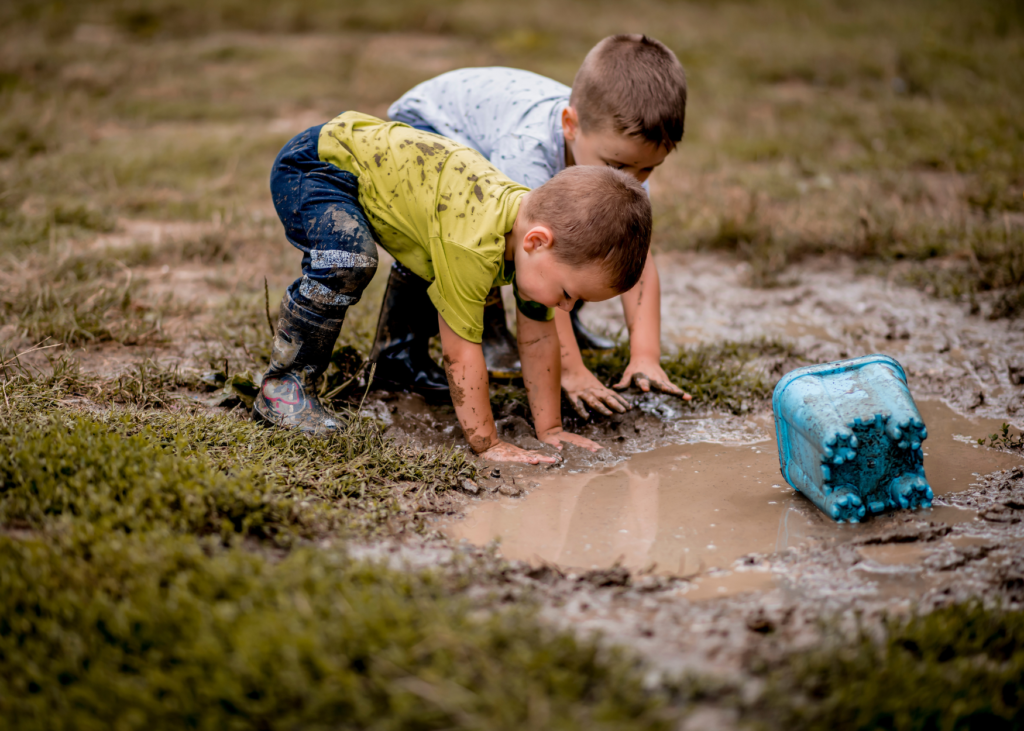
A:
541	277
631	155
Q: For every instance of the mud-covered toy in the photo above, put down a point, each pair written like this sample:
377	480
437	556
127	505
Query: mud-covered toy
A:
849	437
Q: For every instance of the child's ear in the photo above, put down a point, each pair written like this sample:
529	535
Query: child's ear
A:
570	123
538	237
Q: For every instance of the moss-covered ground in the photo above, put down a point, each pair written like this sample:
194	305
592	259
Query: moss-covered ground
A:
164	563
168	569
960	667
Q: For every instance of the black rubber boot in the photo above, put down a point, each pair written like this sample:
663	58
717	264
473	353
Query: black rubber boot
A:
401	348
588	340
301	353
500	350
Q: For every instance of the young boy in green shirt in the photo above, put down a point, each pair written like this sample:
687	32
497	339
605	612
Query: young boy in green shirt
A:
626	109
459	227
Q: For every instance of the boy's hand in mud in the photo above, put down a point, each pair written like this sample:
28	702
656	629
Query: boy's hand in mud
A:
557	436
582	387
646	374
505	452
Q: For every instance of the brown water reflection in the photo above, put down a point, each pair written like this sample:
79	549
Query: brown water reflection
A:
690	509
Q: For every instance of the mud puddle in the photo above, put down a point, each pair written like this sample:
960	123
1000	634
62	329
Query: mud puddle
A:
696	509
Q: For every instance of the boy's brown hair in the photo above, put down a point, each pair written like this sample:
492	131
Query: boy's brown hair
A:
633	85
596	214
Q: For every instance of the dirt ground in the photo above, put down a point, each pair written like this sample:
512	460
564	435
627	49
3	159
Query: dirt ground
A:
775	600
720	620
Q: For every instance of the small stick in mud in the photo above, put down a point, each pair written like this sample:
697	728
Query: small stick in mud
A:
369	382
266	305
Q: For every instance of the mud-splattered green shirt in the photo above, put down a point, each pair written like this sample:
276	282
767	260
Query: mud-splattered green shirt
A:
439	208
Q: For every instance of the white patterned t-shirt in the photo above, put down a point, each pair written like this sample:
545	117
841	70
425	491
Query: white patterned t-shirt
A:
512	117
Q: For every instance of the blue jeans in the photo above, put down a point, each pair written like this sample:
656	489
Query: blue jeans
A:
318	204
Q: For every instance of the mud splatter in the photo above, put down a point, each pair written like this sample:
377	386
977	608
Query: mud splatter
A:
458	392
430	150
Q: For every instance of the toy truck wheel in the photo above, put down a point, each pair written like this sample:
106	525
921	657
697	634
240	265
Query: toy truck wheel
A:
845	505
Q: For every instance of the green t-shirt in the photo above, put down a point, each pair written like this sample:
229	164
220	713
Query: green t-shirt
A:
439	208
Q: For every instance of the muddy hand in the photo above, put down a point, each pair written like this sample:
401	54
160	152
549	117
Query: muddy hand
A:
557	437
505	452
586	390
637	373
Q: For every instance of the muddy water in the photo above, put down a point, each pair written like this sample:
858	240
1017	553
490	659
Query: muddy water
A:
694	509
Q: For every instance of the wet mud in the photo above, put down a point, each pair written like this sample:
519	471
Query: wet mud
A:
831	311
695	510
671	479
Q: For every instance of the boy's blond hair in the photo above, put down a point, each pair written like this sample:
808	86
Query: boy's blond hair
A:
633	85
596	214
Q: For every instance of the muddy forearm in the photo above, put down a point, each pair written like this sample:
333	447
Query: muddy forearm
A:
642	306
467	377
569	349
542	372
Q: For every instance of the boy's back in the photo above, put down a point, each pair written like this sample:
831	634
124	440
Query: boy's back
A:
513	117
437	207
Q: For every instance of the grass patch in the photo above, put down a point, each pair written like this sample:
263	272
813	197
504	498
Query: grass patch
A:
69	306
960	257
766	249
1005	439
168	632
81	313
101	481
156	572
985	260
959	667
377	484
731	376
174	109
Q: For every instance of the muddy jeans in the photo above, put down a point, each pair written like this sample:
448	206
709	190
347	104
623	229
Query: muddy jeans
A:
319	206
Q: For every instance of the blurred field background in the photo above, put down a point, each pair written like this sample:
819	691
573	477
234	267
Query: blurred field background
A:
169	566
137	137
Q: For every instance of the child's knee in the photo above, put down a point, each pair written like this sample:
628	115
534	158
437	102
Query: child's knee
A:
347	272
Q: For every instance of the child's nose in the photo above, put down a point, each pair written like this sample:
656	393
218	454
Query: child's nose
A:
567	304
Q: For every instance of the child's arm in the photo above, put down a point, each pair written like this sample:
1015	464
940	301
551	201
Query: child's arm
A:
642	306
539	355
467	377
580	385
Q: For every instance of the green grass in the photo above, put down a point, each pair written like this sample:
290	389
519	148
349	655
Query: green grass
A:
959	667
730	376
162	632
1005	439
158	570
101	481
75	299
377	482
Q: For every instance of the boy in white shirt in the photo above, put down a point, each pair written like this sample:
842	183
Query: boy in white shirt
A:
626	109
